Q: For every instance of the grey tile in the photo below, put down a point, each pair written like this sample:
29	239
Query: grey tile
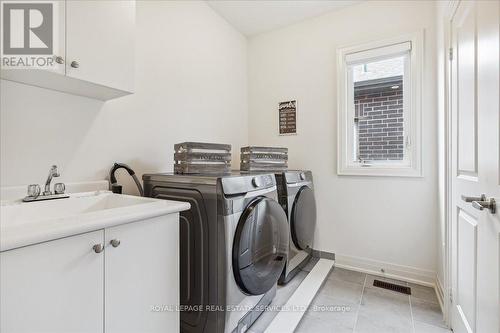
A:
310	264
341	313
340	274
334	308
425	328
342	306
427	312
331	322
384	311
370	278
325	305
342	291
382	304
369	323
424	293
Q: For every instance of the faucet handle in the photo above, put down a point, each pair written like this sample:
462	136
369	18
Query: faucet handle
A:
59	188
54	171
34	190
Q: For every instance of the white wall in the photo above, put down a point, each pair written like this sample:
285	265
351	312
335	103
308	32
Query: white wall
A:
369	222
190	85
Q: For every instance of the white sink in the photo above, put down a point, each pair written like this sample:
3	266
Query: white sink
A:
33	212
22	223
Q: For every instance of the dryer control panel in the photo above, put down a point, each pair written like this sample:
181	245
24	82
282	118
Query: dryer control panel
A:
248	183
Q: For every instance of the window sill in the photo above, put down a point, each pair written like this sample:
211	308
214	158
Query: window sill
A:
380	171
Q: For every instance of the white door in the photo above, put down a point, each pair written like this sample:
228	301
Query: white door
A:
53	287
475	167
100	42
142	276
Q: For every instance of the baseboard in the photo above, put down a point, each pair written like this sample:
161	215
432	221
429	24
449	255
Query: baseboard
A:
440	293
393	271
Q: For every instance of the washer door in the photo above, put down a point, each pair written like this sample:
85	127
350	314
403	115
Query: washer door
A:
260	246
303	218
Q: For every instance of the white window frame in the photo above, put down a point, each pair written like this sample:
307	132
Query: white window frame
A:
411	165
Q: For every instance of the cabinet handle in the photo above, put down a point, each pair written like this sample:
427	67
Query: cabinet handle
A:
115	242
59	60
75	64
98	248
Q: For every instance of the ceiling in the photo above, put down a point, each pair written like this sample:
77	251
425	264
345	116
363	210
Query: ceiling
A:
252	17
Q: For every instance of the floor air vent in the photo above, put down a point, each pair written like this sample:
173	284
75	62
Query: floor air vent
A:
392	286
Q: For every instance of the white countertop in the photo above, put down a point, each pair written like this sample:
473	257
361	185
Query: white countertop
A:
23	224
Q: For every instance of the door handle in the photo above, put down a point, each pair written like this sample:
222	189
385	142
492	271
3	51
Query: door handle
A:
471	199
485	204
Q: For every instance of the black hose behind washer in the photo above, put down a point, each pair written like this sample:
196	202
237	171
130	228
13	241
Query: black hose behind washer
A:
116	188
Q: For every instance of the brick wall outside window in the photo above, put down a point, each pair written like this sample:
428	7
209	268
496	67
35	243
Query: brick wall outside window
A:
379	126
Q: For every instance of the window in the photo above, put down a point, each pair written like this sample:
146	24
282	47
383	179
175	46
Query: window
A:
379	108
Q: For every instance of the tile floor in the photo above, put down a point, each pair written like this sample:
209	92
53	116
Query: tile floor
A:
348	302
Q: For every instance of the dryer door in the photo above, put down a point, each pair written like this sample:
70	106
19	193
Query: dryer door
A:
303	218
260	246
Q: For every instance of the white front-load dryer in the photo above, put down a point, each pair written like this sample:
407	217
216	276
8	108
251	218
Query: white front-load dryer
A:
296	195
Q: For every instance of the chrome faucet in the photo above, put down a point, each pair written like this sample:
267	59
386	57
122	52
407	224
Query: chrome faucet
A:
52	173
59	188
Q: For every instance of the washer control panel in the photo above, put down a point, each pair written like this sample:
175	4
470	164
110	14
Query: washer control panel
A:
263	181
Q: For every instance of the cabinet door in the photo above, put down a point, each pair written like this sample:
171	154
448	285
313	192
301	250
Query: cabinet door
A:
142	276
53	287
59	37
100	39
38	16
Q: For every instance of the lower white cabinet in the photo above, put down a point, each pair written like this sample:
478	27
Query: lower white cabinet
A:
54	287
67	286
142	277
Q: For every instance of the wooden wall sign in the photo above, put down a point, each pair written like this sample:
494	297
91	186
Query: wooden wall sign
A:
288	117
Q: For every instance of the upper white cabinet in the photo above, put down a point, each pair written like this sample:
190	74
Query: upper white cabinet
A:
100	39
59	46
94	50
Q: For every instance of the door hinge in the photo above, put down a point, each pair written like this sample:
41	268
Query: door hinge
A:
450	53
